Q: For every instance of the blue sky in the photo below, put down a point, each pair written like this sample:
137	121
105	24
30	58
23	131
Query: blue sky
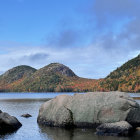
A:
92	37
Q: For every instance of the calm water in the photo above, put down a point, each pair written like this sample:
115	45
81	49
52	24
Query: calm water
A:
17	104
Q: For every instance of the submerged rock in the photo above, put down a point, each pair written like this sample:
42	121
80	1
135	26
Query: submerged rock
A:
26	115
8	123
89	110
121	128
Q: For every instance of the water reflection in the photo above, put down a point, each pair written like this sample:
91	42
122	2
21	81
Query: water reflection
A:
52	133
56	133
4	136
32	131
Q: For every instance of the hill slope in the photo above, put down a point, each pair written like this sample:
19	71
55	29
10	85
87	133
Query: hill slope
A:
47	78
130	68
15	74
57	77
55	68
125	78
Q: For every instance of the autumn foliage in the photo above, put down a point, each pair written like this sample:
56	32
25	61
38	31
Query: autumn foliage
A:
59	78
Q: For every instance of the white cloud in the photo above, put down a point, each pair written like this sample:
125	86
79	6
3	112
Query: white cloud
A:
114	27
89	62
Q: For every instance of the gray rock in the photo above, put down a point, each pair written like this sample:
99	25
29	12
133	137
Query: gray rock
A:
8	123
55	112
90	110
121	128
60	68
26	115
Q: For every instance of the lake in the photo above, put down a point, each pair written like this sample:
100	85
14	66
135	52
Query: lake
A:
17	104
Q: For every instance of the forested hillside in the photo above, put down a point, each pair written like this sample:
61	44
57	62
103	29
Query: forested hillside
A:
125	78
57	77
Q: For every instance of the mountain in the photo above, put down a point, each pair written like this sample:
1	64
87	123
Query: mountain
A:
47	78
14	75
130	68
57	77
125	78
55	68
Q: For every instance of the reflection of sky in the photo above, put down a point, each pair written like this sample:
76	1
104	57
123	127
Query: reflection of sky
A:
30	95
41	95
92	37
30	130
134	94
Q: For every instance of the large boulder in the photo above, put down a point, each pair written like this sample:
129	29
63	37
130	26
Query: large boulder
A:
121	128
89	110
8	123
56	113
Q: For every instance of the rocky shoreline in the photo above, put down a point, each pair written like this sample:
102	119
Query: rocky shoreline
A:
111	113
91	110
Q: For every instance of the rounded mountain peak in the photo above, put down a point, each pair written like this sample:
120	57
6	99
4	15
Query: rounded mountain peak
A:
17	73
59	68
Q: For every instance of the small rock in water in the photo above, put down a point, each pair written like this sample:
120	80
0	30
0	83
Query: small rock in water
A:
121	128
26	115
